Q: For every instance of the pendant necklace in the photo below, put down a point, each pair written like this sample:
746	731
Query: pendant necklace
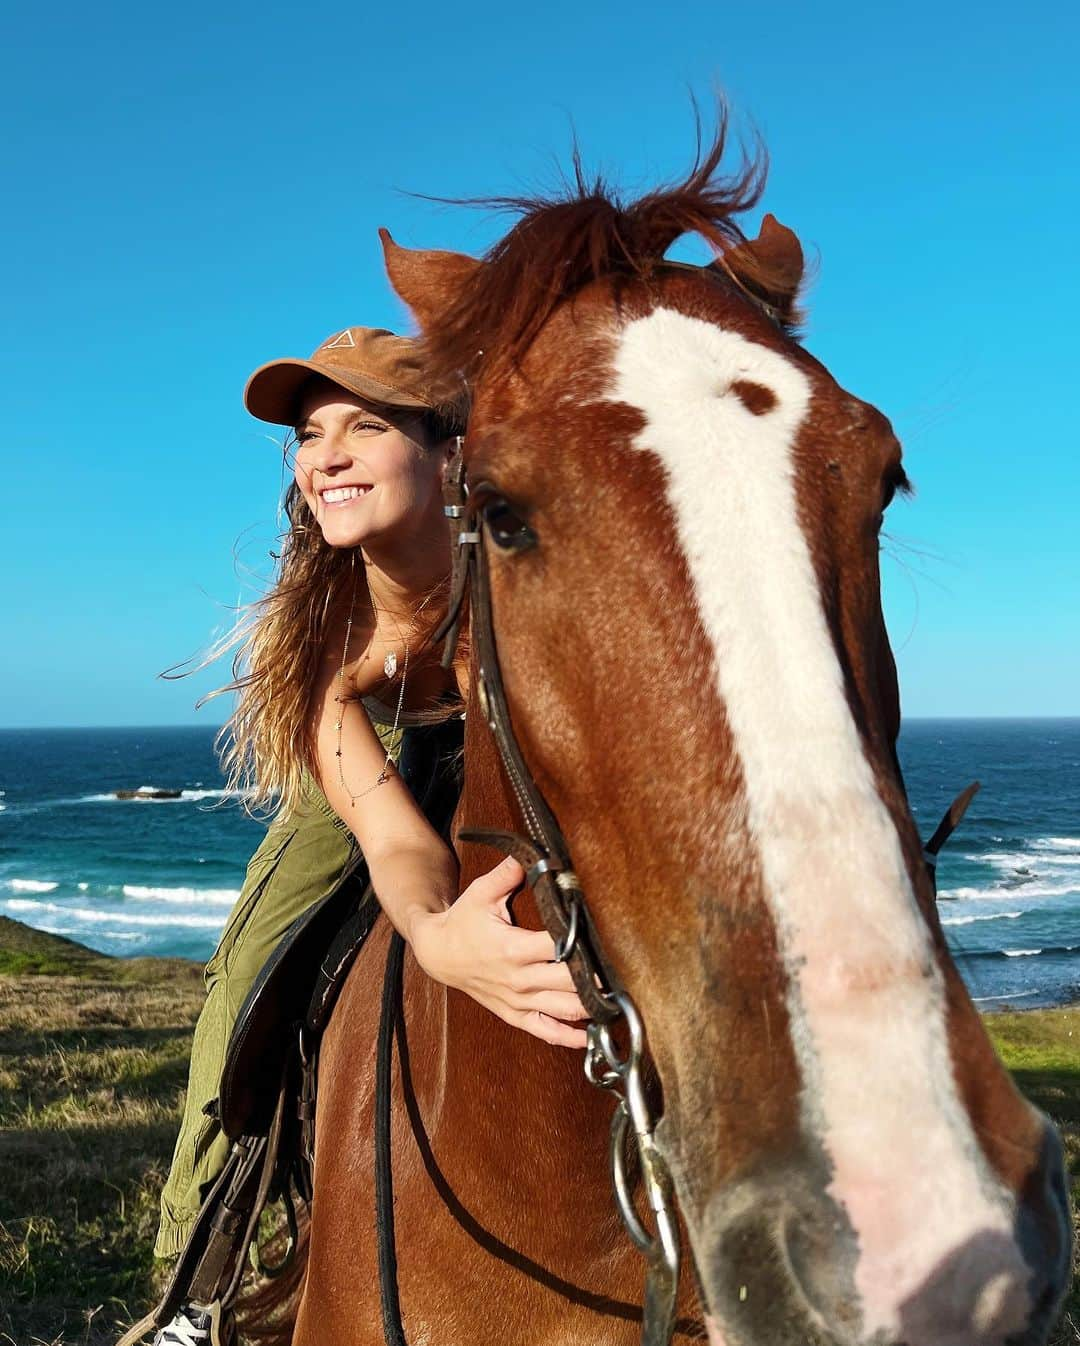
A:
390	664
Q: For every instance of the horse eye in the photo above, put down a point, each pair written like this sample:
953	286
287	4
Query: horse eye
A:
506	529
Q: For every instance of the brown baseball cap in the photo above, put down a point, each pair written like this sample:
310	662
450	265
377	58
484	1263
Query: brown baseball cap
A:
368	361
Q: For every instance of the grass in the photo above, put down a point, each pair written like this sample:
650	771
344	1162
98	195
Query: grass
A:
1042	1049
93	1061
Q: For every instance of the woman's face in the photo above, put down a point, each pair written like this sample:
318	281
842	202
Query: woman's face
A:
363	469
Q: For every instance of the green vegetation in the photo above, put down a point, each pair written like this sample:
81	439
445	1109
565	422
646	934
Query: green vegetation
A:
93	1062
1042	1049
93	1059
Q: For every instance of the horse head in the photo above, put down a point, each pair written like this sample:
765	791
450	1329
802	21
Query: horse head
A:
682	516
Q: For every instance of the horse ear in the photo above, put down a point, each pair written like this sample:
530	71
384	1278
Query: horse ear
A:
428	281
771	264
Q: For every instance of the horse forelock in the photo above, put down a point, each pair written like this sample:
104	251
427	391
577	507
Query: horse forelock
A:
586	233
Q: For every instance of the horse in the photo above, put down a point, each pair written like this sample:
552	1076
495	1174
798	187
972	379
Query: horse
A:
679	512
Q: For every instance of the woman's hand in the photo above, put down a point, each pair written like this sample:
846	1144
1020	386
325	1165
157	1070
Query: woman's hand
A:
474	947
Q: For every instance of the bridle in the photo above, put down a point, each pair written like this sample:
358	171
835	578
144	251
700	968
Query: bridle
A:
549	872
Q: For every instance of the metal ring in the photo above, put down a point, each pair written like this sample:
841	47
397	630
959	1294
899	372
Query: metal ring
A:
639	1235
596	1070
534	871
622	1064
567	943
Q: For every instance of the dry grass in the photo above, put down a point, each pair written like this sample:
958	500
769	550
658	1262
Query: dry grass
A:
92	1072
93	1059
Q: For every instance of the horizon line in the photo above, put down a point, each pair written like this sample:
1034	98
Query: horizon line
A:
907	719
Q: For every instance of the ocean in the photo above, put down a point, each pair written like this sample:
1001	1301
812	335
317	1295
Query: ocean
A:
134	877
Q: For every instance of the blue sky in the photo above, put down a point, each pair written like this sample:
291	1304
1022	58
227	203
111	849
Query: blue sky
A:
194	190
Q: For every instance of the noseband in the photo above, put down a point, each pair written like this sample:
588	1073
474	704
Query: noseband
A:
549	872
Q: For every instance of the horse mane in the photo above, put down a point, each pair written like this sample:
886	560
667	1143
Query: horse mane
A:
563	242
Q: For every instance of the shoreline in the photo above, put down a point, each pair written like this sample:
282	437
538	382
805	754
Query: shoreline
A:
16	956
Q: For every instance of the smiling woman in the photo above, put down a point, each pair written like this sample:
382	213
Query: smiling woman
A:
366	424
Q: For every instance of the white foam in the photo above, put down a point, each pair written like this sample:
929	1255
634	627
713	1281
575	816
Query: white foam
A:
1058	844
995	916
1031	953
224	897
121	917
50	929
32	885
1014	995
1013	892
1014	860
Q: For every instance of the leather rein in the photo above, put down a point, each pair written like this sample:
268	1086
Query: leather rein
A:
543	854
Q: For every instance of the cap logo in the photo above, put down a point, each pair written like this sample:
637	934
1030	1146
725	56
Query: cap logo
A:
342	339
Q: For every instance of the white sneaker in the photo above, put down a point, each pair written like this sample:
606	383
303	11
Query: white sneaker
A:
190	1327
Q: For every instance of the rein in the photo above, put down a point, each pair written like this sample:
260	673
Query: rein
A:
549	872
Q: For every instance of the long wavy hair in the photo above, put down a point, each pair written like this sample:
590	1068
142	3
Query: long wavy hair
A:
267	743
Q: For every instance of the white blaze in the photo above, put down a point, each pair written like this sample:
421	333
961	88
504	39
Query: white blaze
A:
866	996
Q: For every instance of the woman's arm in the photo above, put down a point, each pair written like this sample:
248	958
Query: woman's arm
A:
469	942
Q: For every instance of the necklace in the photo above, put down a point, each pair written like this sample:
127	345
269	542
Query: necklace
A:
389	668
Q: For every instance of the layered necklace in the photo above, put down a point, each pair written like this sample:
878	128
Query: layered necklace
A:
390	664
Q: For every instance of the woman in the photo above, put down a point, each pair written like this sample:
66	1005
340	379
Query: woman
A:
334	662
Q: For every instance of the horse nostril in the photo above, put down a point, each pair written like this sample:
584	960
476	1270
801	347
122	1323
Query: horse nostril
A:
1045	1229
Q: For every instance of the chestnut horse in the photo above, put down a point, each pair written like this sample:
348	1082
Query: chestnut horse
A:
681	516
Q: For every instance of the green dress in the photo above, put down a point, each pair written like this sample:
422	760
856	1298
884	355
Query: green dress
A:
300	860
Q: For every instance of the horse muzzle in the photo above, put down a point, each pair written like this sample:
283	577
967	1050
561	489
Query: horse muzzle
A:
778	1263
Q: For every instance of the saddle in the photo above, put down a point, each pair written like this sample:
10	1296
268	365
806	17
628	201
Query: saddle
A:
266	1099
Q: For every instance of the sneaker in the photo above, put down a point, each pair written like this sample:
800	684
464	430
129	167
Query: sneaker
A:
190	1327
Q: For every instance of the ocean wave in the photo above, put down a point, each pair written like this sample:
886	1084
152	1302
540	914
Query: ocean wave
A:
1050	950
69	930
1012	892
1058	844
1021	860
120	917
993	916
1012	995
224	897
32	885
